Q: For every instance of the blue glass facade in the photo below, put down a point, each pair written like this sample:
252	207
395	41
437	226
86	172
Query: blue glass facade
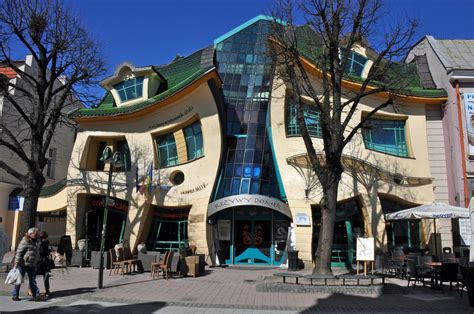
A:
246	71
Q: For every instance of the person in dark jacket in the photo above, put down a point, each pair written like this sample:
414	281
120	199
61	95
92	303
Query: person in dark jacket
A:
26	258
44	263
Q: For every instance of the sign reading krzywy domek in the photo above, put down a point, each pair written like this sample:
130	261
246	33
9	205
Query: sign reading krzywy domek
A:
246	200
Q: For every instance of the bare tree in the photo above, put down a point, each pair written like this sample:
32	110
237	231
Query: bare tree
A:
321	48
66	63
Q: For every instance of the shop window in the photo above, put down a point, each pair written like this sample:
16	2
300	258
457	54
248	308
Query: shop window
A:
169	229
167	152
311	117
386	136
401	233
130	89
193	135
355	63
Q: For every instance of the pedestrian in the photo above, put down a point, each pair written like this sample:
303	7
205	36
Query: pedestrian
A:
45	262
26	257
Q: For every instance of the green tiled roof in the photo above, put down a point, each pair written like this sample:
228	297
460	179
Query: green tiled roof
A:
178	75
403	75
53	189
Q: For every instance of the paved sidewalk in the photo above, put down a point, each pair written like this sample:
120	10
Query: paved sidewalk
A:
221	290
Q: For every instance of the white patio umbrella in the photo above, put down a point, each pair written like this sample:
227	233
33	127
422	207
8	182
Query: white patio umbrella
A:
433	211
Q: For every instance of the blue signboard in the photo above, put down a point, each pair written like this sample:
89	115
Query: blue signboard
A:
15	203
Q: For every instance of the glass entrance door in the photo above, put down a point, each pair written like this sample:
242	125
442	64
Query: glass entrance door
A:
252	241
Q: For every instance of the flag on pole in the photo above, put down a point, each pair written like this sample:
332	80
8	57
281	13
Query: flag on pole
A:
149	180
146	183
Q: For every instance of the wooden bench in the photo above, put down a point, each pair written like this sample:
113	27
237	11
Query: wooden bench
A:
350	277
374	277
359	277
320	277
288	275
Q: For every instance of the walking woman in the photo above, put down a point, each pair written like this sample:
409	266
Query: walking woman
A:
44	264
26	257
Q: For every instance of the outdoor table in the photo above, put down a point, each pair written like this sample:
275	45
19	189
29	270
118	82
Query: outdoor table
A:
435	267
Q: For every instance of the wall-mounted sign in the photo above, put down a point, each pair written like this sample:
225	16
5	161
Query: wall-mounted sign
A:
223	230
246	200
196	189
172	119
365	249
113	204
469	108
15	203
302	219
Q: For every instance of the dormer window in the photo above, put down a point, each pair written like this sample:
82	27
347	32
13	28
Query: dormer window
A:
130	89
130	85
355	63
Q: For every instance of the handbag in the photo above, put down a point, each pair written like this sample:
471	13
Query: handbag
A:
14	277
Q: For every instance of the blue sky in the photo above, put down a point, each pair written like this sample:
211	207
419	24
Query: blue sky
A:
147	32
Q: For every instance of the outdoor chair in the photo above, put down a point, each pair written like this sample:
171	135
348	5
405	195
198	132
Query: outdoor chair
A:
422	260
395	266
463	278
166	268
449	273
125	255
155	266
449	257
415	273
116	265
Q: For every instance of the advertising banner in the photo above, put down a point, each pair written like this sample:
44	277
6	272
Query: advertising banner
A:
468	99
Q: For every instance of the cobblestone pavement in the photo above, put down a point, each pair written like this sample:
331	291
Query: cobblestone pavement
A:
222	290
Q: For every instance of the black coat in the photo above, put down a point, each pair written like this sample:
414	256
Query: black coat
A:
44	263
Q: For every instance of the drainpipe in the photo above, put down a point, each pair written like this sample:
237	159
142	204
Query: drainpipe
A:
461	140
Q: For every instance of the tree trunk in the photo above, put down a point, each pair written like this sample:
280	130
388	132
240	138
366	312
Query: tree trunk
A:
326	233
31	194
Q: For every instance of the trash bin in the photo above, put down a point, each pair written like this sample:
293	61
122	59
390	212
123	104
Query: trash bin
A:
293	260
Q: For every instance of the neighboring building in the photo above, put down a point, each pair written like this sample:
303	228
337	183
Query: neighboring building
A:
59	154
449	64
229	169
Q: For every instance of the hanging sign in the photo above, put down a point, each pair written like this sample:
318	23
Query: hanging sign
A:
469	108
365	249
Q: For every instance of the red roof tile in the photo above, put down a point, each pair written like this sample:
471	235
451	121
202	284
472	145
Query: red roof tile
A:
8	72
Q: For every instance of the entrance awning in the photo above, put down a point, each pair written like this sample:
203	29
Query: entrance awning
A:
248	200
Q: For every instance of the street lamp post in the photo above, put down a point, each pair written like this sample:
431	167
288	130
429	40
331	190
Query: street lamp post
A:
114	160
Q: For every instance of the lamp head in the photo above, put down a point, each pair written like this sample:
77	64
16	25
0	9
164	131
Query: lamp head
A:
106	155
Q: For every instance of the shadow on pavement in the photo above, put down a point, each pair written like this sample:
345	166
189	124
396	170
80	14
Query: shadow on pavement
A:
394	299
70	292
99	307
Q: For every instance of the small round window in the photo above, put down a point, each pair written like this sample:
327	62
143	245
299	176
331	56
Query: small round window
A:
177	177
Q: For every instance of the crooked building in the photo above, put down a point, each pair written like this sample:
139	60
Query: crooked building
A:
229	171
